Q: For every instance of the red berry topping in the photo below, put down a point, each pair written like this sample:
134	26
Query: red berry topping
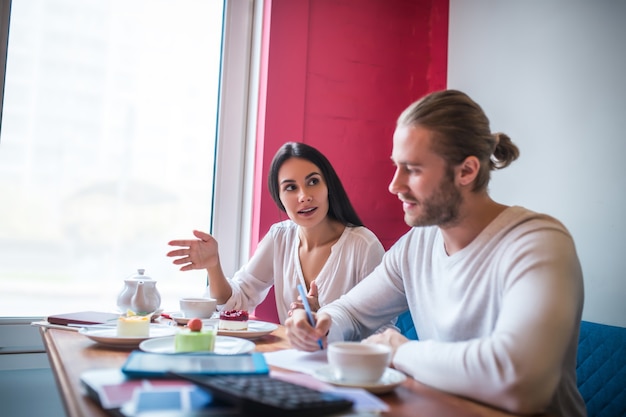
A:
234	315
195	325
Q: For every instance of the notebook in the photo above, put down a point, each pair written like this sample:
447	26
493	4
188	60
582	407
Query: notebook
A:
83	317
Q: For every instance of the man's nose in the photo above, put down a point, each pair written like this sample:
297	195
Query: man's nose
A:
396	185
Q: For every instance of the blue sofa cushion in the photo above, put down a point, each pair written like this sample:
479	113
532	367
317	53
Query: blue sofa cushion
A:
601	369
406	326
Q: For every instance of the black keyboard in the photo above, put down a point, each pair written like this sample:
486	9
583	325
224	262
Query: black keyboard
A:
262	395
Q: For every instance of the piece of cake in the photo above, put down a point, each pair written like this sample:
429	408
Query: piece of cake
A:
194	339
233	320
133	326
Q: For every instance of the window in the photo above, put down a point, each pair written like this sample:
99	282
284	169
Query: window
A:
108	146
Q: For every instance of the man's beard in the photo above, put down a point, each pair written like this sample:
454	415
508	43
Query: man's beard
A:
441	208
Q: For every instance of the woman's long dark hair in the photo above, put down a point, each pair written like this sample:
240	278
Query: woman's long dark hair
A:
339	206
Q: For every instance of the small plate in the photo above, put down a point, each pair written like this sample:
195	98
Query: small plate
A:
224	345
108	336
182	320
255	328
390	380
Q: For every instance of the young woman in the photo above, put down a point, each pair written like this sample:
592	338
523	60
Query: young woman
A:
323	246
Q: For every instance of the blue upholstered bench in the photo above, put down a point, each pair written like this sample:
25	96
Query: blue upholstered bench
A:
600	368
406	326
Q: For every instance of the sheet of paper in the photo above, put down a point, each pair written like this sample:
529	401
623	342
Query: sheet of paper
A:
296	360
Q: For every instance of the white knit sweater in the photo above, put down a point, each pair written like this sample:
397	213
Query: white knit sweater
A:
275	262
497	321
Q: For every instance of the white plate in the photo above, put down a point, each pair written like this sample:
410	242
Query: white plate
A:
182	320
108	336
155	315
224	345
389	381
255	328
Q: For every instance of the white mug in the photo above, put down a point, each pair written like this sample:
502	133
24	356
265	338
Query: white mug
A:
202	308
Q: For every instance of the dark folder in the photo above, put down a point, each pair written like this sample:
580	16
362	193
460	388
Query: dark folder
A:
83	317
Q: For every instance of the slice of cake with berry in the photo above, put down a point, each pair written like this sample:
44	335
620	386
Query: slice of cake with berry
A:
233	320
194	339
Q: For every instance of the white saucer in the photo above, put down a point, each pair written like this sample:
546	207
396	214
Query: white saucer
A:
108	335
255	328
389	381
179	318
224	345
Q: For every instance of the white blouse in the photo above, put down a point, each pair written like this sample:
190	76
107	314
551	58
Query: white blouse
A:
276	262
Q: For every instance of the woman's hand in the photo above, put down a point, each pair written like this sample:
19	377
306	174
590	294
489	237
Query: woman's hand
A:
198	253
311	296
302	335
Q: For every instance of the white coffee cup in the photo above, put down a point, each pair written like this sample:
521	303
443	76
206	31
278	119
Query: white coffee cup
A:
201	308
356	362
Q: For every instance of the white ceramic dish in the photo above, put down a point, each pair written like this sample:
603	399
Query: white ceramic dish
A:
179	318
108	335
255	328
389	381
224	345
155	315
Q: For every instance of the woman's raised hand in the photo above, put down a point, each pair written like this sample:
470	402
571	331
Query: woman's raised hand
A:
200	253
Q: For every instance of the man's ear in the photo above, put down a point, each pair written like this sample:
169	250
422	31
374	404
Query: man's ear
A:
467	171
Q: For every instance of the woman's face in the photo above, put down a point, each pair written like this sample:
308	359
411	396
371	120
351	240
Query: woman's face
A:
303	192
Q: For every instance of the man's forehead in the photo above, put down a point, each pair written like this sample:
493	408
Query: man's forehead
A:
411	143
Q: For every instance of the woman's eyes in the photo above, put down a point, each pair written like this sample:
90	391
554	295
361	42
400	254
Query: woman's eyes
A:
310	182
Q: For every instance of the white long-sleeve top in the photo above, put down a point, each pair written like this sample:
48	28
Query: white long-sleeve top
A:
276	262
498	321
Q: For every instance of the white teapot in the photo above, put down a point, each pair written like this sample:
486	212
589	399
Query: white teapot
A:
139	294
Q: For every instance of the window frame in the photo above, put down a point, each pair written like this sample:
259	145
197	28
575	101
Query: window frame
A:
5	17
236	129
234	158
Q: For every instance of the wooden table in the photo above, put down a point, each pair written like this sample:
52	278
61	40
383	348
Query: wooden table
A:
71	353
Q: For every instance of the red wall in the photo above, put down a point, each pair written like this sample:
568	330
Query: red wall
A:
336	75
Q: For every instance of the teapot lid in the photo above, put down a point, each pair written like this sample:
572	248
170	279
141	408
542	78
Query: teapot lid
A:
140	275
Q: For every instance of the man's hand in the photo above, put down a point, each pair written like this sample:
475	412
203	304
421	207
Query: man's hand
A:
389	337
300	333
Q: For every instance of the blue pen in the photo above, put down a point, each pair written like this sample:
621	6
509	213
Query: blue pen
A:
309	314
